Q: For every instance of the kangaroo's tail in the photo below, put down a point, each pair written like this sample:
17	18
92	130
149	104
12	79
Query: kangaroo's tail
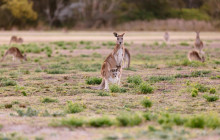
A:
127	58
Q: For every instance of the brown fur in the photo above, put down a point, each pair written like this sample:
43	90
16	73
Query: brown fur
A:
111	64
166	36
198	43
15	39
127	58
16	53
195	56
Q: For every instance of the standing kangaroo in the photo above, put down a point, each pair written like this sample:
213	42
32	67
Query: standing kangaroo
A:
111	70
197	54
16	53
198	43
15	39
166	36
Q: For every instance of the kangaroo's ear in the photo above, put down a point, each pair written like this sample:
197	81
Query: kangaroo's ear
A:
115	34
123	34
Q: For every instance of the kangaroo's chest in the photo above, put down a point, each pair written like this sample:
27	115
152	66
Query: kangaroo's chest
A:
119	56
113	80
198	42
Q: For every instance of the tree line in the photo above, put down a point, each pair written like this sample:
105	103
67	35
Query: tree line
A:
101	13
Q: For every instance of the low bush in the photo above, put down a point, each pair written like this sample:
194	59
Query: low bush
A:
212	91
74	107
146	102
160	78
200	73
7	82
72	122
137	80
29	112
56	71
211	98
101	122
145	88
116	89
93	80
194	92
129	119
103	94
48	100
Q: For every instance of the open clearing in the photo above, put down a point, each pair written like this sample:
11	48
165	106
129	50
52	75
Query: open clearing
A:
34	95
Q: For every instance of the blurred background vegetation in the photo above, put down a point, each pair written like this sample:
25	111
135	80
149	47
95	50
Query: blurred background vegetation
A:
96	14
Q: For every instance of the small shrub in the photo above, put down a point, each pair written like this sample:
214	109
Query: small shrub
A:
211	98
103	94
215	77
29	112
72	122
38	70
7	82
24	93
170	119
129	119
196	122
116	89
8	105
200	73
184	44
56	71
137	80
100	122
201	88
194	92
74	107
212	121
149	116
145	88
212	91
48	100
160	78
146	103
93	80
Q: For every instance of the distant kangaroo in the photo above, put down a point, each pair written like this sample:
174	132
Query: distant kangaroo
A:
15	39
196	56
166	37
127	59
198	43
16	53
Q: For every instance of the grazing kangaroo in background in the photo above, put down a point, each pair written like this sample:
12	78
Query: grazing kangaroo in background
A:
127	59
111	70
166	37
16	53
198	43
197	54
15	39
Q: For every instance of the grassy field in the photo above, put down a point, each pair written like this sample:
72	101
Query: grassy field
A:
162	94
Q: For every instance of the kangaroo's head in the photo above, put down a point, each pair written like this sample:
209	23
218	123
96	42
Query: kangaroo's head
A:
20	40
25	57
114	72
119	38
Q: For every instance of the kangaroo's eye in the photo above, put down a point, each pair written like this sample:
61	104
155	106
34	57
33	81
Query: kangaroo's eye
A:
117	38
